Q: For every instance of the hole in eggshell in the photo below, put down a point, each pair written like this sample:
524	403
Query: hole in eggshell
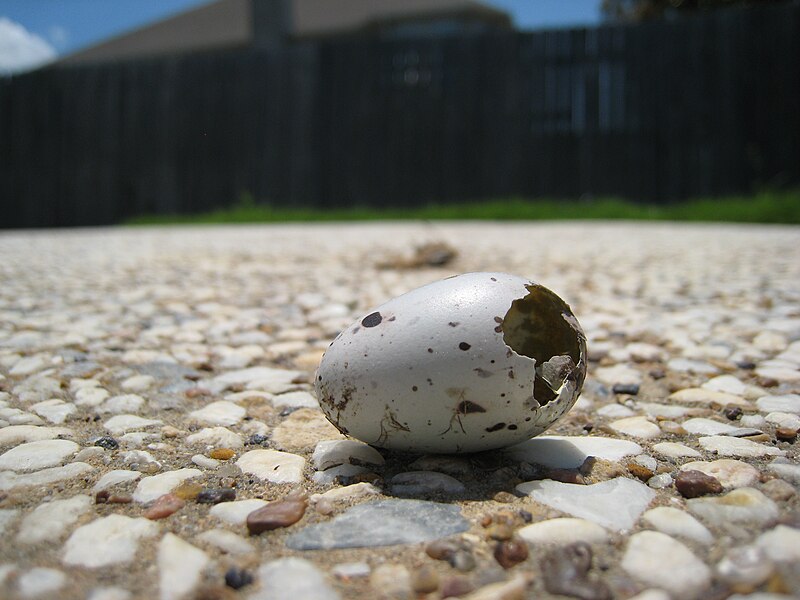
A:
541	326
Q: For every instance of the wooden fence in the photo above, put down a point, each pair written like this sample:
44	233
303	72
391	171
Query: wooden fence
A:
700	106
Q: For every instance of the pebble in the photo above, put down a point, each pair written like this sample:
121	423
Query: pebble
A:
126	403
120	424
163	507
675	450
216	437
54	411
563	531
106	442
33	456
744	567
277	514
661	481
707	397
13	435
291	579
692	484
615	411
778	490
222	454
456	587
237	578
702	426
663	411
786	470
180	567
562	452
391	582
565	571
107	541
744	506
513	589
226	541
332	453
273	465
40	581
215	495
220	413
638	427
656	559
109	593
348	492
295	400
50	521
151	488
789	403
351	570
615	504
730	473
138	383
424	580
382	523
205	462
236	512
675	522
781	544
731	446
416	483
10	480
509	553
456	466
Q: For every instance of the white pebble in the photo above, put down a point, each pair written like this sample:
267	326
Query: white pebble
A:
180	566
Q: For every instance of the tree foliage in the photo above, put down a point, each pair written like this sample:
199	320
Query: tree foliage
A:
641	10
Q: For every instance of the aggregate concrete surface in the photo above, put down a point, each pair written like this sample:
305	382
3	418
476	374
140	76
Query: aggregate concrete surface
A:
159	434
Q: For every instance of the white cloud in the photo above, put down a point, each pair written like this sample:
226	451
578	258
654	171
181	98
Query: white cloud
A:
21	50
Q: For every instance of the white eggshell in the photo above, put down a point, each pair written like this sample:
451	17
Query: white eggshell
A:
452	366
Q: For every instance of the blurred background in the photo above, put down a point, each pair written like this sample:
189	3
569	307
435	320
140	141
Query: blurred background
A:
115	111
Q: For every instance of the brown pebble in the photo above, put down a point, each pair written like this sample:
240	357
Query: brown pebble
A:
281	513
759	437
425	580
163	507
499	531
441	549
504	497
222	453
692	484
453	587
187	490
639	471
101	497
672	427
486	520
510	552
786	434
120	499
197	392
168	431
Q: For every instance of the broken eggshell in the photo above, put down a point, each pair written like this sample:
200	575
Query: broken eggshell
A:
473	362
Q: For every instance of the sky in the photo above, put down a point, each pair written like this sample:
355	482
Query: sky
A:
33	32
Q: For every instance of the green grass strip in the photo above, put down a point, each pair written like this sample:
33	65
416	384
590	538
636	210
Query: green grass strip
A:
764	207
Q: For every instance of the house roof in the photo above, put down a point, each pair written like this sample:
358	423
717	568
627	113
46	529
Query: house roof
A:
240	23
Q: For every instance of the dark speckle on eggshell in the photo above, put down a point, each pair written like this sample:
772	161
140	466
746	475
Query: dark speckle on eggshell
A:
464	346
372	320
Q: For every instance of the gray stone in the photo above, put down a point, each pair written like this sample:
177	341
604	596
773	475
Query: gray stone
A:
382	523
